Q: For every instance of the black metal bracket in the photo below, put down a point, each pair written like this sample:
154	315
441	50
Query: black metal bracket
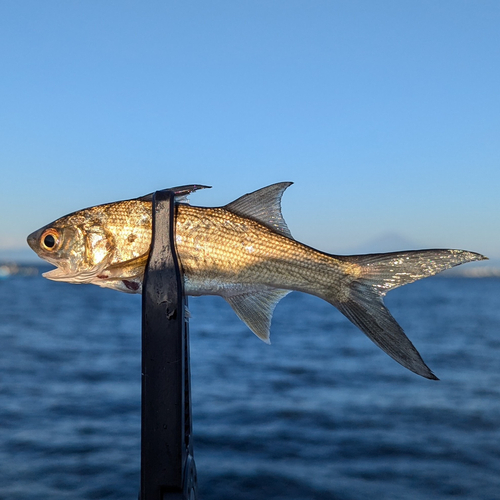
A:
168	470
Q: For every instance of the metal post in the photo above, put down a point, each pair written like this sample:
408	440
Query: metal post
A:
168	470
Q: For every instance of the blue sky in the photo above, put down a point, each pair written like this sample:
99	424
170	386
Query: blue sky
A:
386	114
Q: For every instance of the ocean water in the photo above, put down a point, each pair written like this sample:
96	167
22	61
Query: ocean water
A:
322	413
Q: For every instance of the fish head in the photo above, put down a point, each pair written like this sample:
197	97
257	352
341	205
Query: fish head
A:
79	247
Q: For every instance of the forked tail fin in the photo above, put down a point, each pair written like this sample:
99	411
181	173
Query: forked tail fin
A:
362	299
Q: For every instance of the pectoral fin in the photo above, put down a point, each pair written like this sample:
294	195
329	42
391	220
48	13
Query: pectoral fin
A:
256	309
127	269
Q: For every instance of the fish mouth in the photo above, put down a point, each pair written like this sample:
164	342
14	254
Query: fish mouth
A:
57	274
79	276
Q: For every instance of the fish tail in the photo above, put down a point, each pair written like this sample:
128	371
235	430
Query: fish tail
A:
370	277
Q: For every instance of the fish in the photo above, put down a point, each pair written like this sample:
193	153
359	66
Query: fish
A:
245	253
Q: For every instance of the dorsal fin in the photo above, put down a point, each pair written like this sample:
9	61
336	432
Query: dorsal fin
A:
264	206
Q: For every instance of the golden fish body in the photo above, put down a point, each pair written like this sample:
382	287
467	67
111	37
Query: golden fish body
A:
245	253
225	254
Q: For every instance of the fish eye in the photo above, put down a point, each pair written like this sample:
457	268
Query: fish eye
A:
50	240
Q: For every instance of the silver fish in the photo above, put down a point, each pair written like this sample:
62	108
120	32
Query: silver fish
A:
245	253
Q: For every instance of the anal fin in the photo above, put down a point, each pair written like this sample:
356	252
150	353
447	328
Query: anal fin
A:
256	309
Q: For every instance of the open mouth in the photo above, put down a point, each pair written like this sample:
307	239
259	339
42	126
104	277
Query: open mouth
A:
79	276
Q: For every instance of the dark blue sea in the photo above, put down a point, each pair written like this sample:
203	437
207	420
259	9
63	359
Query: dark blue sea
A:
322	413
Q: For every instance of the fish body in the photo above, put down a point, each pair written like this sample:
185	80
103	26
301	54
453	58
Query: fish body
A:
245	253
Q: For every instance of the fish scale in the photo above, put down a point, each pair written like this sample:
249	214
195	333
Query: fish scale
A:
245	253
239	251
